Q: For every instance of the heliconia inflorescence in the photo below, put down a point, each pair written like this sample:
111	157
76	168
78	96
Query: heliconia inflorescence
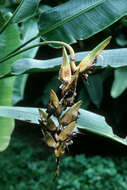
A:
60	136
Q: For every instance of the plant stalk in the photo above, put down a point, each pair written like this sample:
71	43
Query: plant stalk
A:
70	49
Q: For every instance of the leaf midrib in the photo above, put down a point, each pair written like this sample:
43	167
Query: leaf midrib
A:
65	20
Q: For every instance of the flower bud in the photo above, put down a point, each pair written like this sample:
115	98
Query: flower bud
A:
49	140
71	114
65	70
54	107
60	150
67	131
47	122
54	101
89	60
73	83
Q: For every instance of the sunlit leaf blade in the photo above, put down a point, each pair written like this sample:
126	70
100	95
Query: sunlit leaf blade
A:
87	121
9	40
82	20
120	82
112	58
25	10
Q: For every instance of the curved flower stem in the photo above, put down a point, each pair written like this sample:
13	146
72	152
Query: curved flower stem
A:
70	49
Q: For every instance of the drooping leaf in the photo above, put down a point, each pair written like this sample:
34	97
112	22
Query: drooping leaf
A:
87	120
112	58
77	20
95	123
18	89
120	82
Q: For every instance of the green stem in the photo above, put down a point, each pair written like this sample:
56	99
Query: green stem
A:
70	49
11	18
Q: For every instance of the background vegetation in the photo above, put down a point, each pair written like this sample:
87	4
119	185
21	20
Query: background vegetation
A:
25	165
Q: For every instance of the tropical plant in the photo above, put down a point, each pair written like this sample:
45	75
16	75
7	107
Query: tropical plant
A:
23	24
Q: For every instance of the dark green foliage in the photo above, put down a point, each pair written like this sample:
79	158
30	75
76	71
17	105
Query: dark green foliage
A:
23	166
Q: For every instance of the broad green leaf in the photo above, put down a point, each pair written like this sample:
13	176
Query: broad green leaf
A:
18	89
120	82
2	20
94	87
30	29
77	20
112	59
5	15
66	21
87	121
9	40
25	10
6	124
95	123
43	8
21	113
